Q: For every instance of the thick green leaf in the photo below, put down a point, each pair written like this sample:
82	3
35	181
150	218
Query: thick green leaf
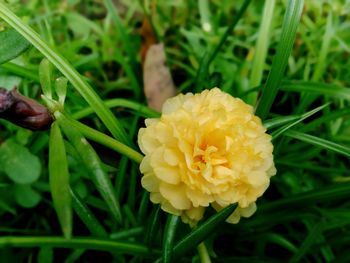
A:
59	180
18	163
12	44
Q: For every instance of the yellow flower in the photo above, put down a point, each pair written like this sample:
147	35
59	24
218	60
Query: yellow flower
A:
206	149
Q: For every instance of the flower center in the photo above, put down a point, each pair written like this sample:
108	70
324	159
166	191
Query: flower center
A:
206	157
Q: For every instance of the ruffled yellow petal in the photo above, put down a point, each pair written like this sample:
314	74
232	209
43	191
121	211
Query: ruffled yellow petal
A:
175	195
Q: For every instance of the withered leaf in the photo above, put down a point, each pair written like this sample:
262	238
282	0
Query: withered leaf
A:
158	83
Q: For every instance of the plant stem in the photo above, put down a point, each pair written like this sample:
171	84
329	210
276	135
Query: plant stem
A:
203	253
104	139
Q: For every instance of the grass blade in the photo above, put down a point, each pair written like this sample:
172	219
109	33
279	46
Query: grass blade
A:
318	88
261	49
279	63
304	116
328	145
279	121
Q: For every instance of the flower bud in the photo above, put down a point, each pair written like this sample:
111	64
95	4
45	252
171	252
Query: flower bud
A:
23	111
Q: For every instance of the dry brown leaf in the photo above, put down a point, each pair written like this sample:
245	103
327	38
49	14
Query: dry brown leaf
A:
158	83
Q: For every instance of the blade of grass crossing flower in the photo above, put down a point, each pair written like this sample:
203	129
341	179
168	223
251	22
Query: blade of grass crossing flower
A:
328	145
87	217
283	129
279	63
71	74
59	180
169	235
93	163
202	231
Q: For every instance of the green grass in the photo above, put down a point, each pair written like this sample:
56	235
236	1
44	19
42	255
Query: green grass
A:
289	59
